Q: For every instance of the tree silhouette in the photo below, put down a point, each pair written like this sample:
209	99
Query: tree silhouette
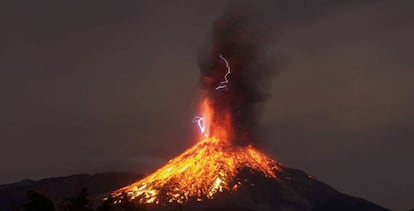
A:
38	202
80	202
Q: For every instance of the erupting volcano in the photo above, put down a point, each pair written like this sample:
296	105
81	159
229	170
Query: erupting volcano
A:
231	74
211	166
224	162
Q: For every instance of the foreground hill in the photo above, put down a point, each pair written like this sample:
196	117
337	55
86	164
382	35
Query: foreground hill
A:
12	196
294	190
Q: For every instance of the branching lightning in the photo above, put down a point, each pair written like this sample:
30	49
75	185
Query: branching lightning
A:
223	84
201	122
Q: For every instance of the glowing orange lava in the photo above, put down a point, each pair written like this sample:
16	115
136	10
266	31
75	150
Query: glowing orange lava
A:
210	166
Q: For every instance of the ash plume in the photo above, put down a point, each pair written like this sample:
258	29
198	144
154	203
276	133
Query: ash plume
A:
239	37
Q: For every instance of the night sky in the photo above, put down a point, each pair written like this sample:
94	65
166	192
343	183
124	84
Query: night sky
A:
96	86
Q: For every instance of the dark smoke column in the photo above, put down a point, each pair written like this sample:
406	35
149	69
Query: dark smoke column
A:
238	37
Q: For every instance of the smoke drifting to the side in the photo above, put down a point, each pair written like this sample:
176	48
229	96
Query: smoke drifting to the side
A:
238	36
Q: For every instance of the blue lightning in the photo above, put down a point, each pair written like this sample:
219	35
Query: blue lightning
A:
201	123
199	120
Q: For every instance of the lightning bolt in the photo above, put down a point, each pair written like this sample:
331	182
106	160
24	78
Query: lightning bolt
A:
199	120
223	84
201	123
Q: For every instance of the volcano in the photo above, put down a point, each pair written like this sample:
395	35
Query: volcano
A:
216	174
195	181
234	179
210	166
224	170
207	168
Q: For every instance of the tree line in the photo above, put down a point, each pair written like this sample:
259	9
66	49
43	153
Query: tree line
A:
80	202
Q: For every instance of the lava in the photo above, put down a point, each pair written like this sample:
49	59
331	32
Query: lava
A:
210	166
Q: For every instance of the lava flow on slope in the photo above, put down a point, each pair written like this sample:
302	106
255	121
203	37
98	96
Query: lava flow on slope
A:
210	166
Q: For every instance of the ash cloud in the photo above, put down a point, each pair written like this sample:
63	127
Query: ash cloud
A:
240	37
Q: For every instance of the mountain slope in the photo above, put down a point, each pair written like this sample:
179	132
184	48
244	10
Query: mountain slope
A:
294	190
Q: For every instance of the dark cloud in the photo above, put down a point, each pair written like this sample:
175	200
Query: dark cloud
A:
98	86
234	70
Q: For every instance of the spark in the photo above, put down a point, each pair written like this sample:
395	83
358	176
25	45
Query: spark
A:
223	84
